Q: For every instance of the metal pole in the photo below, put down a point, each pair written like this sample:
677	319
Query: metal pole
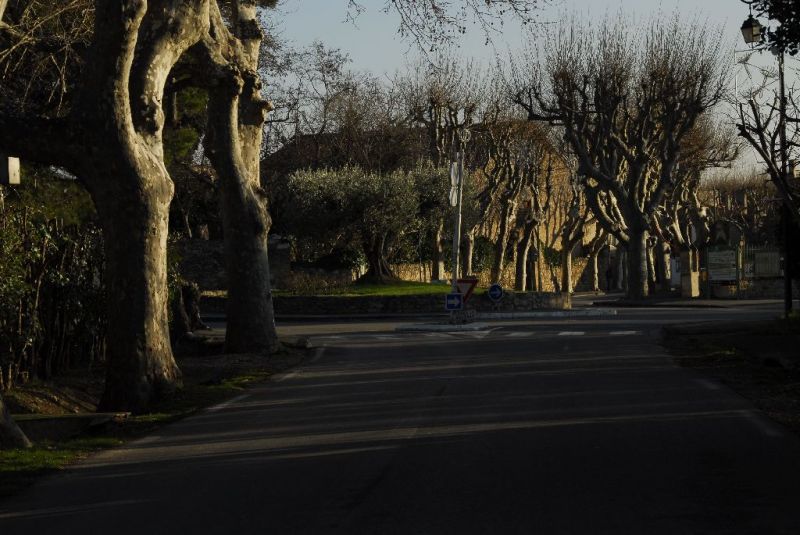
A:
457	222
787	277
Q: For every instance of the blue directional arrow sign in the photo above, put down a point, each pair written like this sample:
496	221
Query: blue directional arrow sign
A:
495	292
454	301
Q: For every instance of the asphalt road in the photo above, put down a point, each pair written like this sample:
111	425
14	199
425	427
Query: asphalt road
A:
545	427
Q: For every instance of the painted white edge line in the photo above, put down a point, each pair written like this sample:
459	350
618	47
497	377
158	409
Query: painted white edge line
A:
763	425
708	385
226	404
318	354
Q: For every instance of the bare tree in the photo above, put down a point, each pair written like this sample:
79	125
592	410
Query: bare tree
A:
441	96
626	99
528	226
761	124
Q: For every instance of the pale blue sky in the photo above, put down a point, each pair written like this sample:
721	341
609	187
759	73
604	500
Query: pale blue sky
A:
373	43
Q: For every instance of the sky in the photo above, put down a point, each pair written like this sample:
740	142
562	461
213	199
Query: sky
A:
373	44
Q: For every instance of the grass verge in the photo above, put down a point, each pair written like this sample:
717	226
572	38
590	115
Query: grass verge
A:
758	360
397	288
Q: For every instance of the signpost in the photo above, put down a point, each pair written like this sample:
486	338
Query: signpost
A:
9	171
466	287
722	264
454	301
495	292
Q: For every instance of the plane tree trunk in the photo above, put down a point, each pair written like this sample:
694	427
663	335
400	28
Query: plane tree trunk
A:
468	246
112	140
237	113
638	273
437	258
11	436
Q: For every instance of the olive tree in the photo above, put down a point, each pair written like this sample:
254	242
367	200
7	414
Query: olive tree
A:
354	209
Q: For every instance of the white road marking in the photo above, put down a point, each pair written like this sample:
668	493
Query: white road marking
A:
571	333
226	404
318	354
624	333
477	334
709	385
286	376
763	425
517	335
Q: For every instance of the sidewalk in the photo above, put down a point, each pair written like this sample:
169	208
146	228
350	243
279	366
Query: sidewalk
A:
618	300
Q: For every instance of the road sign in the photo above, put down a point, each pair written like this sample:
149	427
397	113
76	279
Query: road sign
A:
454	301
466	287
495	292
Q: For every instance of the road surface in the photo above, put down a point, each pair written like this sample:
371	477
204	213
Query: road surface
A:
578	426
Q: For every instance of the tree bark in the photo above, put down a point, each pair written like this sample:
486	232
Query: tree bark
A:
637	264
437	258
566	268
378	269
122	121
11	436
663	255
498	265
467	253
523	250
595	271
112	140
245	220
140	365
237	113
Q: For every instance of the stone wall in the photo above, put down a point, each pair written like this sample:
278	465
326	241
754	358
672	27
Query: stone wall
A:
407	304
764	289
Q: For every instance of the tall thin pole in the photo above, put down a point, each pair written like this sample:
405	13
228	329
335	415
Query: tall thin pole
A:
457	221
787	276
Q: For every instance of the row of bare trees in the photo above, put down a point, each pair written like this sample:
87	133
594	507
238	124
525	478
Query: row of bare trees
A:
630	102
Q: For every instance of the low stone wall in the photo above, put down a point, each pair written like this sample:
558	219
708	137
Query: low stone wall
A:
765	289
408	304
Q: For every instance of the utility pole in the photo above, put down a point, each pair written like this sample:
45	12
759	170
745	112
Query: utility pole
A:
456	195
459	193
787	273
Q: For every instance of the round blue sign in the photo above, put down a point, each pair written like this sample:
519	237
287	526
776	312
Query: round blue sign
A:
495	292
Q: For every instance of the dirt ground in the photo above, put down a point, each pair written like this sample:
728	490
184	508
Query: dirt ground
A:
80	390
759	360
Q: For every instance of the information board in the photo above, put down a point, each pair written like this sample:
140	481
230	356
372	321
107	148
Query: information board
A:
722	265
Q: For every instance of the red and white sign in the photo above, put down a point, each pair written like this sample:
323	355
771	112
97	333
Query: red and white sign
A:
466	287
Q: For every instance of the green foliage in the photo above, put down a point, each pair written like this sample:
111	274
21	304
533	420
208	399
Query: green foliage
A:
49	197
51	283
786	34
179	144
352	209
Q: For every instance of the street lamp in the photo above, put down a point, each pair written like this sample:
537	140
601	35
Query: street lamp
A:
752	30
753	34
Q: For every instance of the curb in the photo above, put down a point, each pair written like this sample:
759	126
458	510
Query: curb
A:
547	314
442	327
574	313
